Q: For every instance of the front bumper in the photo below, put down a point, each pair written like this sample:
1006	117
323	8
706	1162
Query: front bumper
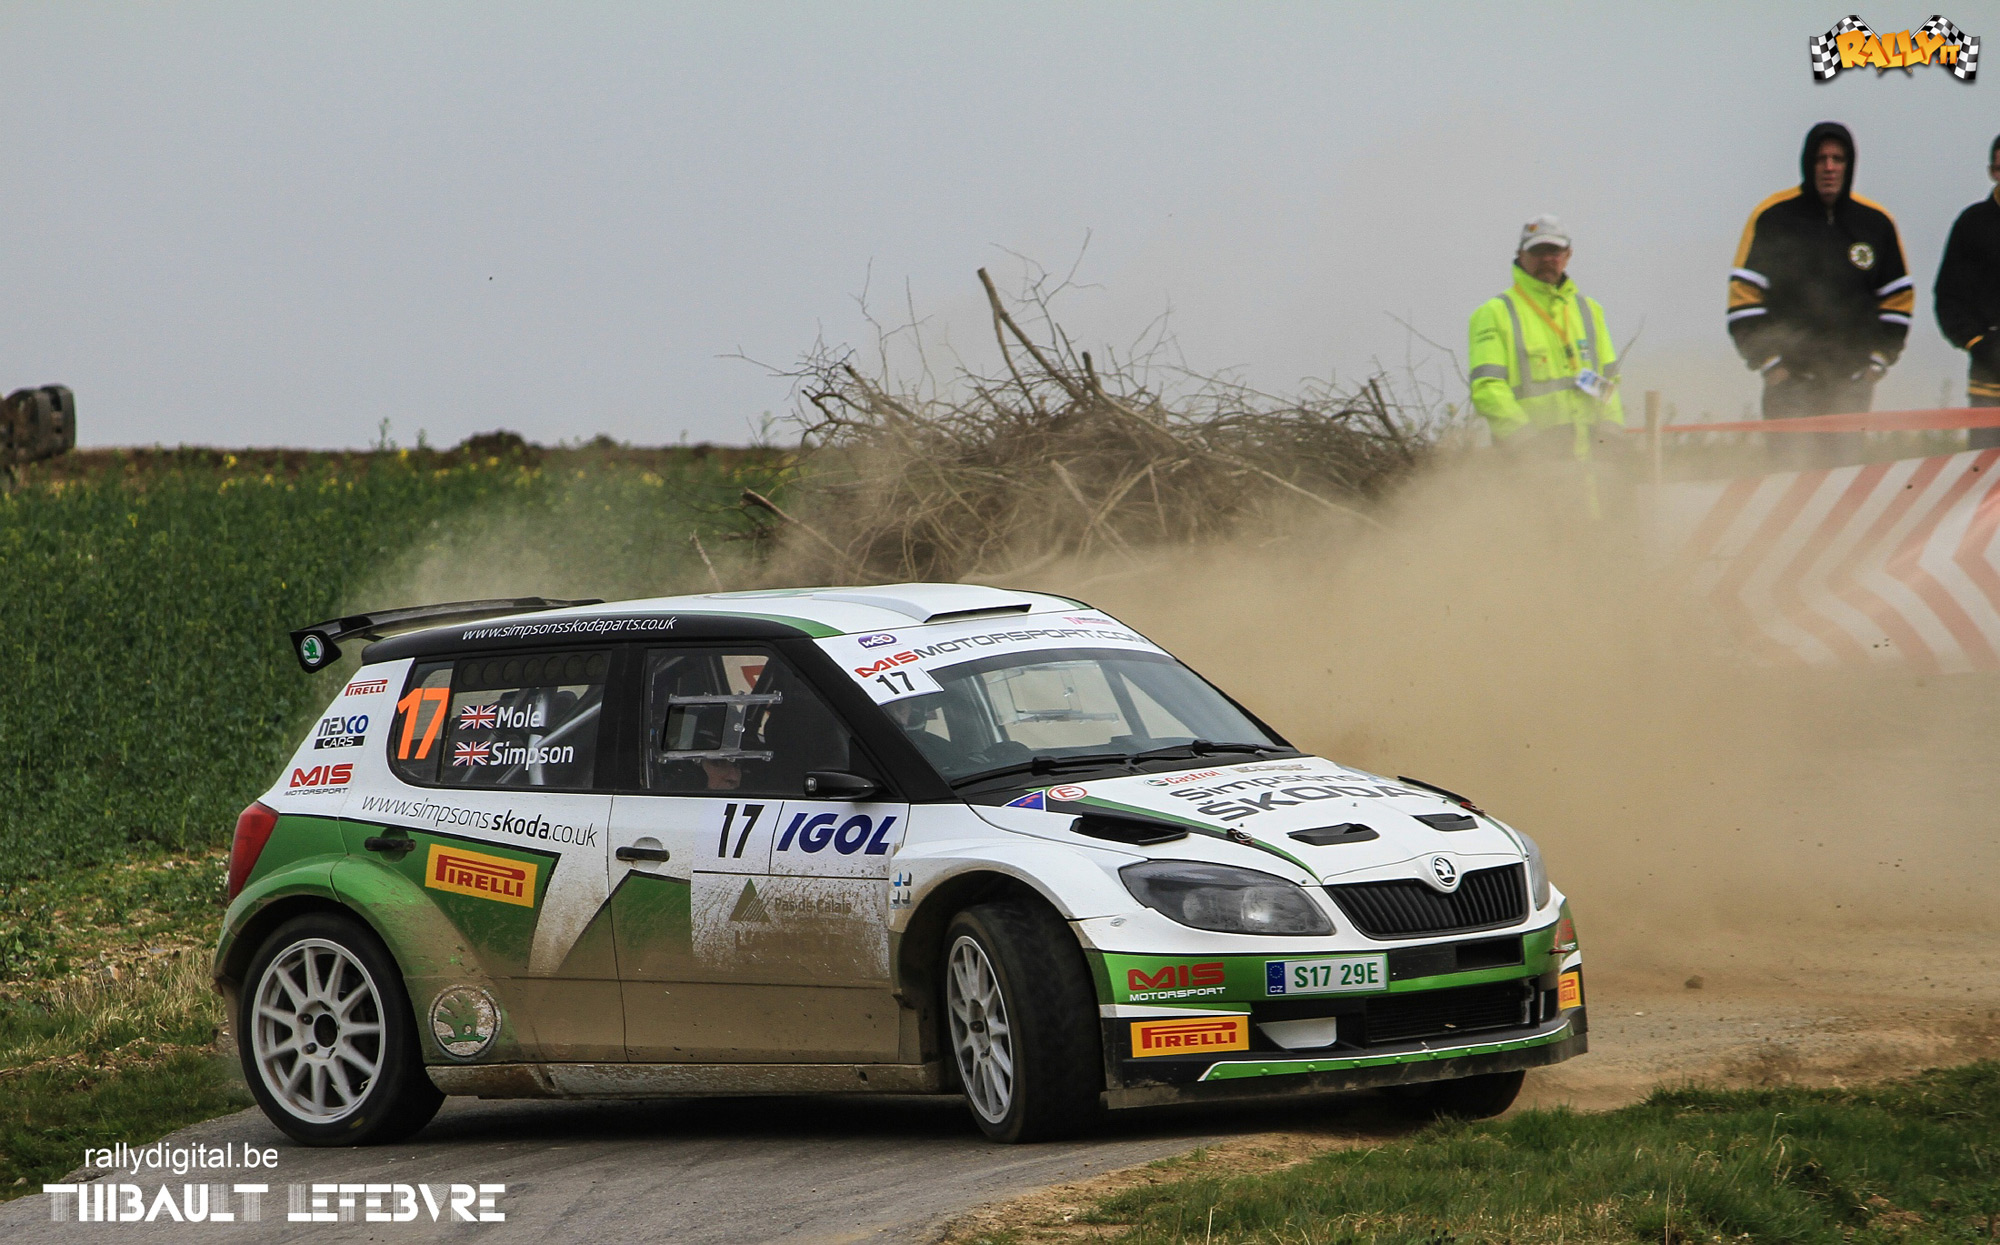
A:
1262	1074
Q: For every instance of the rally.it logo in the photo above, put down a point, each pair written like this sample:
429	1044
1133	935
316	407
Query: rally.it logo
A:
1850	44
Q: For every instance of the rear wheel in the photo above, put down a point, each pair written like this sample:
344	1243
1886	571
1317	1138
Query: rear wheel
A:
327	1040
1022	1022
1463	1098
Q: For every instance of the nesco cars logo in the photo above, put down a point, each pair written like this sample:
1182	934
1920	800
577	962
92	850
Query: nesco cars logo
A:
340	732
876	641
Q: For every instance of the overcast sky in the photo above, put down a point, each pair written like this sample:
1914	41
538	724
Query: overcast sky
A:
280	224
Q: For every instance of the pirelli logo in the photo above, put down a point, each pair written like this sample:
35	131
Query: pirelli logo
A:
483	877
1569	990
1190	1037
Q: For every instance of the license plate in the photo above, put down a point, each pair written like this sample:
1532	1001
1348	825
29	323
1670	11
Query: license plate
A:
1336	976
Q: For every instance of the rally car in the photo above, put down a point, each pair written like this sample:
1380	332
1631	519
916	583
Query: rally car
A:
921	838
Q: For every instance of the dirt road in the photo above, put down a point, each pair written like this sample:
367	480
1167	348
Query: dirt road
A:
906	1169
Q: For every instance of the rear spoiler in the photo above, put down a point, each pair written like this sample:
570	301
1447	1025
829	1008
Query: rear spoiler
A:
318	646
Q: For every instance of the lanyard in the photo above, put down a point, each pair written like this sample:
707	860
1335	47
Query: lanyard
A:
1569	348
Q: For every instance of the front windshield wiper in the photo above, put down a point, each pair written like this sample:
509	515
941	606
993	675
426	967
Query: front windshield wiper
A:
1043	765
1050	764
1205	747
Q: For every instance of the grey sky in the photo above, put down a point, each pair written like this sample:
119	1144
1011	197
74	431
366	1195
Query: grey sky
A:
278	224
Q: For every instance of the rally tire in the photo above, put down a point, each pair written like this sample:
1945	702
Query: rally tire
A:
1020	1020
328	1044
1465	1098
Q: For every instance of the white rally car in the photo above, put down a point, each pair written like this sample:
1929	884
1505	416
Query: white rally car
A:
914	838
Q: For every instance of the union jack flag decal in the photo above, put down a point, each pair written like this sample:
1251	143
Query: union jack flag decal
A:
471	754
478	717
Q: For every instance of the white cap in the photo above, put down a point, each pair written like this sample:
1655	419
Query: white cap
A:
1544	230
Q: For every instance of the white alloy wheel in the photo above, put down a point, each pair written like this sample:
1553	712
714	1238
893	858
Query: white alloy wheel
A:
980	1034
317	1032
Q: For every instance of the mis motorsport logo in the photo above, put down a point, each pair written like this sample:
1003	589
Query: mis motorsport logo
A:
1850	44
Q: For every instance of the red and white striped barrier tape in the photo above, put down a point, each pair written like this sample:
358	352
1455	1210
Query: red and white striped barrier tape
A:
1942	420
1880	563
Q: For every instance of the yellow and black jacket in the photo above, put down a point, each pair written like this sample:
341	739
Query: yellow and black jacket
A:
1821	289
1968	293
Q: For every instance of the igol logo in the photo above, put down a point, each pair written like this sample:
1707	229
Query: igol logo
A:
876	641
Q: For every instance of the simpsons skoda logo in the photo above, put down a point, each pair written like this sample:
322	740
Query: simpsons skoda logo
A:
1850	44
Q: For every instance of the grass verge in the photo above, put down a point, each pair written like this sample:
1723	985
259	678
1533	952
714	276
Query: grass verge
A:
108	1024
1915	1160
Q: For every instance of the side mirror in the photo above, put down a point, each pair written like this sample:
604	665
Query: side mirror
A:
833	784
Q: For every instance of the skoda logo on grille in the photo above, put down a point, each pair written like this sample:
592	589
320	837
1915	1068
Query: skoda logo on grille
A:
1445	872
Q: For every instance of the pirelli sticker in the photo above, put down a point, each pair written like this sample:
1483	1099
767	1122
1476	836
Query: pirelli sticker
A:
1193	1036
1569	990
481	876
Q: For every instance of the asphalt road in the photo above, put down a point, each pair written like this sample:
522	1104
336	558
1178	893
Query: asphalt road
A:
701	1171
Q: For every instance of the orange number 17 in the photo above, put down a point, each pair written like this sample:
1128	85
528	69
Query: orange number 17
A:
408	707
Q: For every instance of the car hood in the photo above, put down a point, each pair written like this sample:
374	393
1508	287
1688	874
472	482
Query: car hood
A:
1263	804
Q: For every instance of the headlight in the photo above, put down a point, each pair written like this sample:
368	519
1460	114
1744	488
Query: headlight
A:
1224	899
1538	876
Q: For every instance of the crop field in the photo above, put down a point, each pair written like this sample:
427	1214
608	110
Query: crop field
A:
151	694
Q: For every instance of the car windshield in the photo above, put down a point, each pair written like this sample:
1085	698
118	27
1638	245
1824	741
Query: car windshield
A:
1044	708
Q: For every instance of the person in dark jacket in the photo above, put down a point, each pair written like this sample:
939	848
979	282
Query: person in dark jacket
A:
1967	297
1820	297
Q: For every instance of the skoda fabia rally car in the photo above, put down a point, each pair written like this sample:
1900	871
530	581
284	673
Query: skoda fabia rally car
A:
923	838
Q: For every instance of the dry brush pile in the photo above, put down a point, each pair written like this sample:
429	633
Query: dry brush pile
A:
1057	455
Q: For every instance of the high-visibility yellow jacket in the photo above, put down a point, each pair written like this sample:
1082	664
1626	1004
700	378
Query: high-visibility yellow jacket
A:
1524	372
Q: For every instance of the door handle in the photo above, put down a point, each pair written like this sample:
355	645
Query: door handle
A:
389	844
643	853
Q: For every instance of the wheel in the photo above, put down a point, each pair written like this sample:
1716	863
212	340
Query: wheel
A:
1463	1098
1023	1022
328	1043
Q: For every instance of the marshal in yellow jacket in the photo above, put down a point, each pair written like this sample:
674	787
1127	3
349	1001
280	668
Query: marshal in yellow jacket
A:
1530	348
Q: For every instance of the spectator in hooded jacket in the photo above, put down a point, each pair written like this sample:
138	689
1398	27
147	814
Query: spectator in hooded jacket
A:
1968	297
1820	297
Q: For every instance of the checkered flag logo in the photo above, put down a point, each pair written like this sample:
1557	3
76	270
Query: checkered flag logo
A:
1967	67
1826	47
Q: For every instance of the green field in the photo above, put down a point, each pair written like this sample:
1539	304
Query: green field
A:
150	691
1917	1160
151	694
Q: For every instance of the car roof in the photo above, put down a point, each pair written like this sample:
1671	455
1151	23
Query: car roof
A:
846	611
760	613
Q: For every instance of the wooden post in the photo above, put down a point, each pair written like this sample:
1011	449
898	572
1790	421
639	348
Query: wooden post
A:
1653	433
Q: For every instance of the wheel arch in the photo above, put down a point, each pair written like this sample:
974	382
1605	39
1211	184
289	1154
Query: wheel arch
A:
919	953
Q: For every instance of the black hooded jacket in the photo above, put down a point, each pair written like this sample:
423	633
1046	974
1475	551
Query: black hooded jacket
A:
1820	288
1968	292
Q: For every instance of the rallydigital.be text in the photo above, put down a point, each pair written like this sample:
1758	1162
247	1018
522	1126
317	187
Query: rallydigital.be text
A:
306	1203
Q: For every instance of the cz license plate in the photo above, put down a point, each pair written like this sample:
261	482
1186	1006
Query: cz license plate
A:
1334	976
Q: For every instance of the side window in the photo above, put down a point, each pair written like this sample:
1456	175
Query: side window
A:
416	741
518	720
740	720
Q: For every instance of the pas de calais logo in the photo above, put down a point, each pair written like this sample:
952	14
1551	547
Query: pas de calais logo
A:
1850	44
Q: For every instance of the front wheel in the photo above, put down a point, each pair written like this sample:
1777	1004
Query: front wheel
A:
327	1040
1022	1016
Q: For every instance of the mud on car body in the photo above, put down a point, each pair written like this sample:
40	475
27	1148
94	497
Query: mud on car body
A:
915	838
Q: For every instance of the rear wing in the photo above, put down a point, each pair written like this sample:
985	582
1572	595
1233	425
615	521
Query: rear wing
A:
318	646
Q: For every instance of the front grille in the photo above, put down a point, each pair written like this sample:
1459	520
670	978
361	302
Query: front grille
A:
1446	1013
1405	908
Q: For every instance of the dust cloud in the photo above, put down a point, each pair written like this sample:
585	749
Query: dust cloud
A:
1705	814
